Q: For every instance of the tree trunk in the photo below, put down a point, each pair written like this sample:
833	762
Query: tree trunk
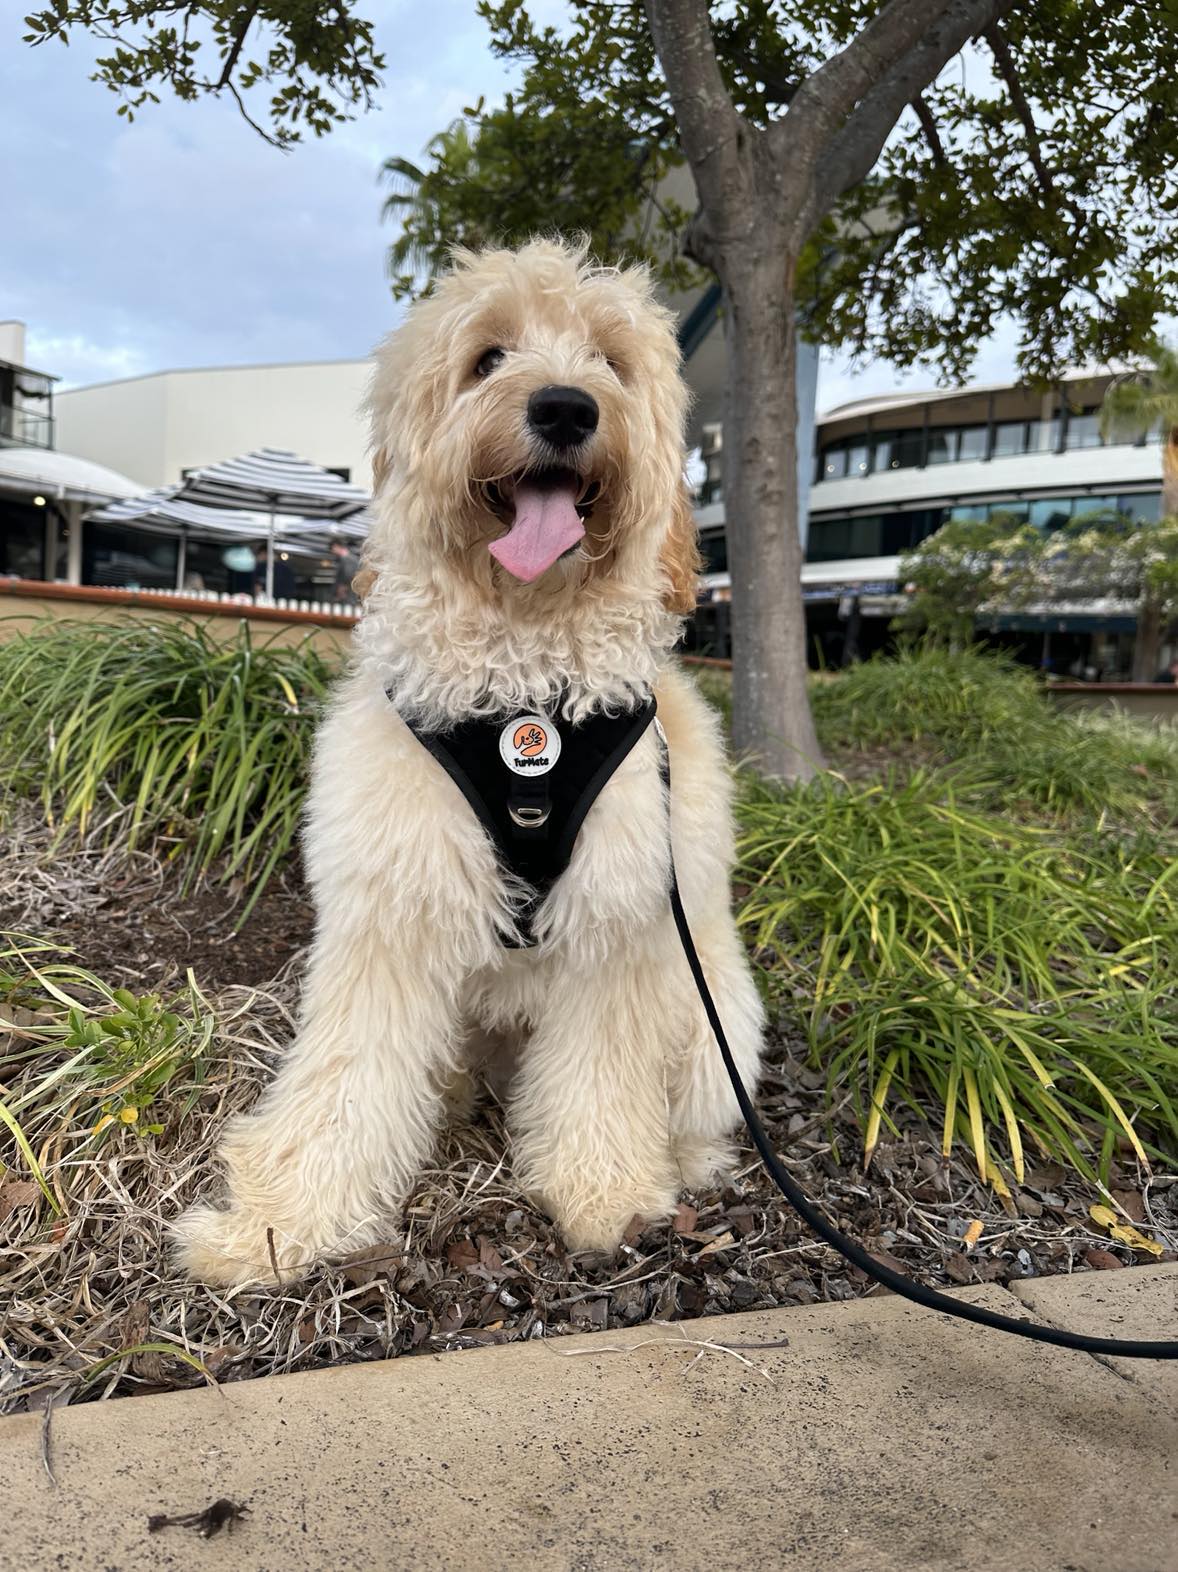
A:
1147	647
771	719
1151	625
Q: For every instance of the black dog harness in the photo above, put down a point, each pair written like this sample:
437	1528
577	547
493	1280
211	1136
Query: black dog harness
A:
531	781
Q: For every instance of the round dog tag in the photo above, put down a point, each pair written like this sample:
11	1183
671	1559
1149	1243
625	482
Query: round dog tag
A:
529	745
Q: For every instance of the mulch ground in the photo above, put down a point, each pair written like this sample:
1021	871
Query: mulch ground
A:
476	1262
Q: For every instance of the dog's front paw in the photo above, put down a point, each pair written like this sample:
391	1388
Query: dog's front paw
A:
233	1246
604	1228
703	1162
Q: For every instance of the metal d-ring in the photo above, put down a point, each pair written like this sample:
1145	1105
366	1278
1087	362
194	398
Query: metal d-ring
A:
529	818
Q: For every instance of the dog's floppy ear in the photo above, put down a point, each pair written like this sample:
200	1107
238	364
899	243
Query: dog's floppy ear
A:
680	557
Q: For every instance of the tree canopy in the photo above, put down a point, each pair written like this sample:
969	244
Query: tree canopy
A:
319	62
1034	179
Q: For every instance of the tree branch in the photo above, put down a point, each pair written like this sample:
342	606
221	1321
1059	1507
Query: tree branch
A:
238	44
854	150
710	129
1008	71
829	95
929	126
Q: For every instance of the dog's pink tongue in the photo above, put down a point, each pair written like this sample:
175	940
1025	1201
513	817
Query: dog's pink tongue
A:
546	525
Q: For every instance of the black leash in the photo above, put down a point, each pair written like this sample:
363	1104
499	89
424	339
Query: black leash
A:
1124	1348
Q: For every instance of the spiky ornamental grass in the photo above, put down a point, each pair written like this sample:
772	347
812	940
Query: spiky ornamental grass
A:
997	936
1018	979
984	710
161	731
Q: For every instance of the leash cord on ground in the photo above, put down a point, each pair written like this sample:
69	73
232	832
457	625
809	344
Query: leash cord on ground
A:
1123	1348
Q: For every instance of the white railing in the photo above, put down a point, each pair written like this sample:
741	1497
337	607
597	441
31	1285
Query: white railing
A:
323	608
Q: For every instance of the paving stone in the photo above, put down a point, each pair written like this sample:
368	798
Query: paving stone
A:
881	1437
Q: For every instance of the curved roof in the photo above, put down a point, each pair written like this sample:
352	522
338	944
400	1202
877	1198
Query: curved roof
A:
877	403
62	475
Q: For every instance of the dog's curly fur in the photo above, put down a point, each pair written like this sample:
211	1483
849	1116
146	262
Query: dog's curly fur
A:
615	1090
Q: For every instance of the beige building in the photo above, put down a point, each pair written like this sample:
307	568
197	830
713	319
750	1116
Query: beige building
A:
156	427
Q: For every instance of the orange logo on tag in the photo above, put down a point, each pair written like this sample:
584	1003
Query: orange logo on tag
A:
529	745
529	739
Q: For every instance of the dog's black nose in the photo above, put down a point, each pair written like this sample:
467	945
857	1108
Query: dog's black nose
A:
562	416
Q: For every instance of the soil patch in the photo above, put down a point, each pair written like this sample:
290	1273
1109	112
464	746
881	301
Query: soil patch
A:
139	923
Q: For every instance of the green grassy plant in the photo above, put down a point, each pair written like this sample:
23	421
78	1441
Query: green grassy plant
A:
86	1059
984	711
1018	979
162	731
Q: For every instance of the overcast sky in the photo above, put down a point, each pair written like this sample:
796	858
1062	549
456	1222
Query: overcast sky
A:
184	240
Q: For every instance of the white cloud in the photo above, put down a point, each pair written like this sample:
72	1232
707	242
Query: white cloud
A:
184	240
76	359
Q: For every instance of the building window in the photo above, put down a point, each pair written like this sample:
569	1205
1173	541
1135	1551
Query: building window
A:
857	458
127	558
1051	513
22	540
714	550
881	452
1083	431
942	447
972	443
834	463
908	450
1141	507
1010	437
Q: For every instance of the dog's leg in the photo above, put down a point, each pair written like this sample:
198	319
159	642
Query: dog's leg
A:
704	1110
340	1135
589	1110
406	894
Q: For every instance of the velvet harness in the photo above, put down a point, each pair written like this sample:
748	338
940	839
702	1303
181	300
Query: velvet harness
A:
531	781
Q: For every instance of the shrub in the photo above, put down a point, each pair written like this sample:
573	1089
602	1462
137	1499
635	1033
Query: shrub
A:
985	713
132	729
1020	978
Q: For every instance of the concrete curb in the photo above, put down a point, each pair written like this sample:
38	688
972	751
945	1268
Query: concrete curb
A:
871	1436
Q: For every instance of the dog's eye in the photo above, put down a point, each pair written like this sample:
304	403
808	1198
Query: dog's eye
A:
488	360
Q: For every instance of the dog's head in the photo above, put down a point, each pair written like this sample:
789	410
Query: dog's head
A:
528	427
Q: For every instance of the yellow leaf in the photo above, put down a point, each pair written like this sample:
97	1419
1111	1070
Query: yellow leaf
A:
128	1115
1123	1234
972	1234
877	1104
974	1105
103	1122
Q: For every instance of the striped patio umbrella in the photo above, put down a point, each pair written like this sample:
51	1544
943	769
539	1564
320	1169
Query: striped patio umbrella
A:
161	509
276	482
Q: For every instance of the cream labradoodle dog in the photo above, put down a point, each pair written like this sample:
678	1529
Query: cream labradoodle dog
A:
533	554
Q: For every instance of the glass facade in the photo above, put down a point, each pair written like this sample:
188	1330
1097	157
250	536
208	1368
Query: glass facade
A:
885	534
871	453
22	541
26	407
128	558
